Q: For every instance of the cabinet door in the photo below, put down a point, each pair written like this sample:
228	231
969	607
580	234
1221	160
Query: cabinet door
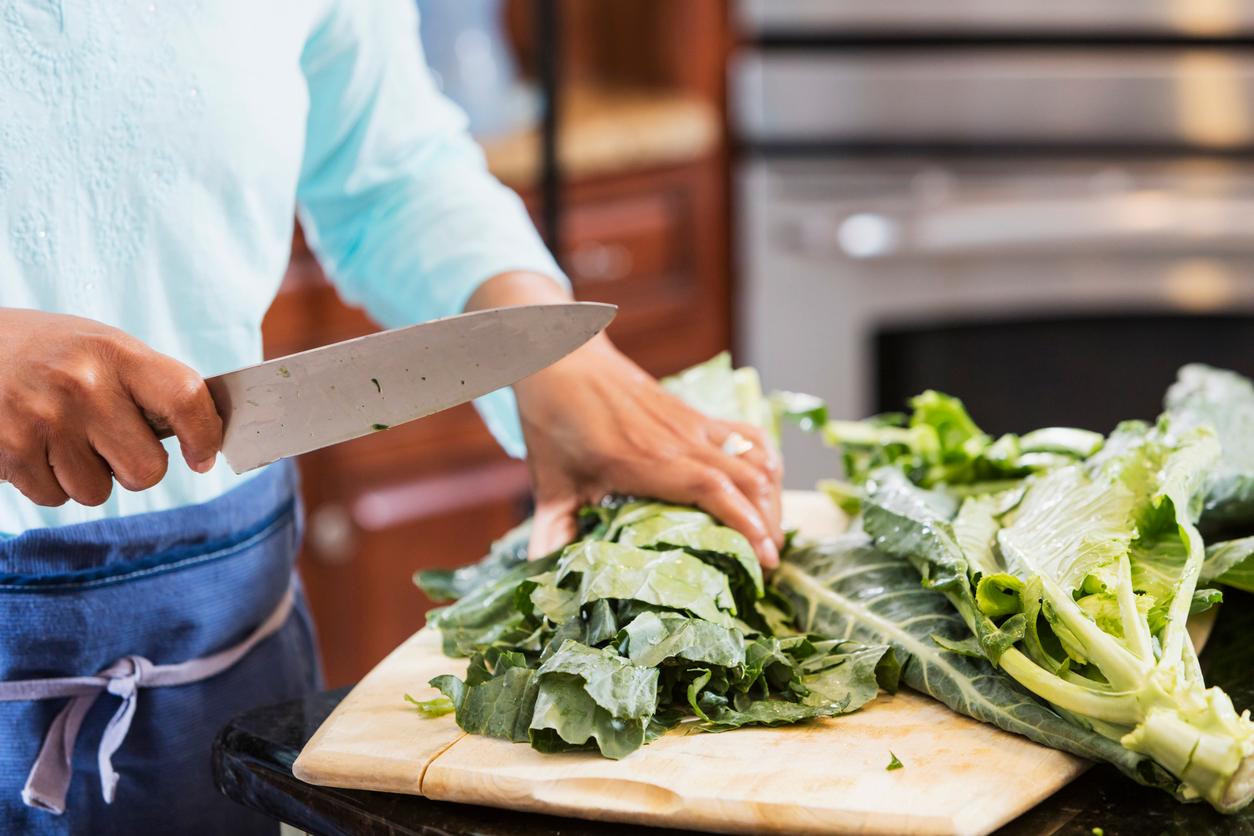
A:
361	553
652	243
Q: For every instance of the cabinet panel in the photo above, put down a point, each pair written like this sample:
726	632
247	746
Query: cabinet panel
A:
361	553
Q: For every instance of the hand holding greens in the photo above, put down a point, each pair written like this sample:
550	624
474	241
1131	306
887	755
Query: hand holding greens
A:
656	614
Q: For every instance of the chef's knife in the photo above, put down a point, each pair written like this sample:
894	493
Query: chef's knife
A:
306	401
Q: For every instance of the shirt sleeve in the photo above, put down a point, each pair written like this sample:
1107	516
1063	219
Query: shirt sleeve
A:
394	195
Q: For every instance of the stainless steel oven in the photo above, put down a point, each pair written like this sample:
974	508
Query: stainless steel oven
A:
1044	214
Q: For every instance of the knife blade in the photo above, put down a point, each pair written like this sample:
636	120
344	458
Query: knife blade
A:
324	396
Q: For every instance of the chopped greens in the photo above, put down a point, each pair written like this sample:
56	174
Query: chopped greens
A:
894	763
656	614
437	707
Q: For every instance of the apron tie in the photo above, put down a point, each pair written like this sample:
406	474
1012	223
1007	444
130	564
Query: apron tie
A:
49	779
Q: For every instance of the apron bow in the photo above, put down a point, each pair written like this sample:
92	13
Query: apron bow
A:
49	779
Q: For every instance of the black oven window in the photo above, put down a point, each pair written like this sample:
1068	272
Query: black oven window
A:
1091	372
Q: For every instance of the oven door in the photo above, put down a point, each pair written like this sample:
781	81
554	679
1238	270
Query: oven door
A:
1039	290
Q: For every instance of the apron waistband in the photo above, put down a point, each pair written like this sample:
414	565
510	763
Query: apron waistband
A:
49	780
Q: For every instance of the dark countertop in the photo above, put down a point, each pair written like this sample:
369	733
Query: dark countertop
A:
253	758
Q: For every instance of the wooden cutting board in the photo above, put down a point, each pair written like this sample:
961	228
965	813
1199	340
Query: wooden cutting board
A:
959	777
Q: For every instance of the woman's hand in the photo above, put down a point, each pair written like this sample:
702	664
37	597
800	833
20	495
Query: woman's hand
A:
78	400
596	424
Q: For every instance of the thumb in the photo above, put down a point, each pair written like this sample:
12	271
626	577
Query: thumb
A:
553	525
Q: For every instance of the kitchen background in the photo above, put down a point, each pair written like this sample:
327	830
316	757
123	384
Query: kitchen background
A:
1042	208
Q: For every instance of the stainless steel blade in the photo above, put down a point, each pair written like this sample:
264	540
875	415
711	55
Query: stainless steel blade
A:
317	398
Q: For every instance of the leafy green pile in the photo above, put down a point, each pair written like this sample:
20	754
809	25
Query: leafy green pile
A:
655	615
1070	565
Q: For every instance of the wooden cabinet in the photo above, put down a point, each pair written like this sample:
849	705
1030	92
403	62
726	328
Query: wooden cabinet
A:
649	237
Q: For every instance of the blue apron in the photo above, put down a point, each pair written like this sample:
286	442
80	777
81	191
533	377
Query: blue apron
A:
154	630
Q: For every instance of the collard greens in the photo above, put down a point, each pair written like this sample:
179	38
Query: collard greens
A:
655	615
1039	582
1066	565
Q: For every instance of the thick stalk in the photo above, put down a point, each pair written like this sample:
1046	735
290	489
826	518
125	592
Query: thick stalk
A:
1211	757
1119	709
1122	669
1135	628
1176	632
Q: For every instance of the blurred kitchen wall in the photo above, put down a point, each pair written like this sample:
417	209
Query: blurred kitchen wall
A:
1044	208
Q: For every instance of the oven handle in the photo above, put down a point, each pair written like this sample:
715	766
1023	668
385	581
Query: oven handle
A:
1142	220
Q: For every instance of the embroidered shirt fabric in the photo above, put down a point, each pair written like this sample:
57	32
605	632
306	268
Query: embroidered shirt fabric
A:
152	155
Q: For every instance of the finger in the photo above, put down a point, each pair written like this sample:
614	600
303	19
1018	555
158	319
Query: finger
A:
762	454
752	481
764	489
173	395
711	490
127	444
32	476
552	525
82	474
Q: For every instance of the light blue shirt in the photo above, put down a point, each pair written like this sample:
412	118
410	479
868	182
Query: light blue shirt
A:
152	154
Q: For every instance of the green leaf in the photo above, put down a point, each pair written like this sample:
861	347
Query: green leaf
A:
658	526
488	613
623	689
1079	444
766	713
806	411
593	570
1231	562
975	529
969	646
721	392
959	437
939	444
999	594
914	524
847	588
1067	525
506	555
557	603
1223	401
847	675
567	718
703	676
435	707
497	707
893	763
654	638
